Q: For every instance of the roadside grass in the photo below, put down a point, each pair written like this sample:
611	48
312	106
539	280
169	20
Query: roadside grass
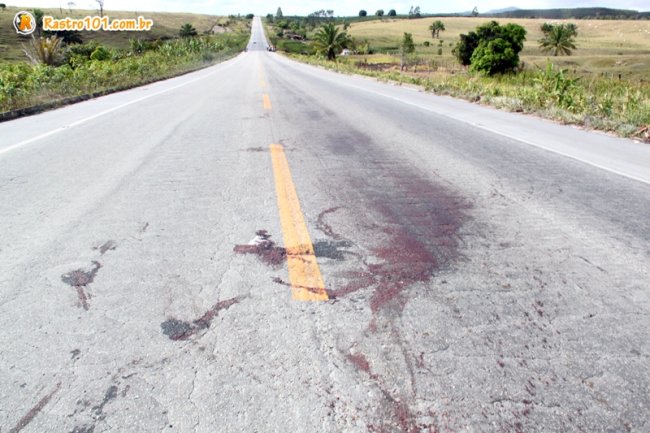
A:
604	85
166	25
609	47
598	102
123	63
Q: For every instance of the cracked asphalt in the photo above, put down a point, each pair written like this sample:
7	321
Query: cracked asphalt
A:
479	279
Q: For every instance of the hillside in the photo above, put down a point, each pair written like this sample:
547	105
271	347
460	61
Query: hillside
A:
604	46
166	25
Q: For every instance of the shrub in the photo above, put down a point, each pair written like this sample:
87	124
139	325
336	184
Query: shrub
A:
45	51
100	54
491	48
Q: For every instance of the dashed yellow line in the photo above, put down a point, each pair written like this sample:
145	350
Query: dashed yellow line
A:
304	274
266	101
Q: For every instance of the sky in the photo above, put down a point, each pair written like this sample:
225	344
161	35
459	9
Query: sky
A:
340	7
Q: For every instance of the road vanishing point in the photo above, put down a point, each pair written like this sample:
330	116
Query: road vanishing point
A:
265	246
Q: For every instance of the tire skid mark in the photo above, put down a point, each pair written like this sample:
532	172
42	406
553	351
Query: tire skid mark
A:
80	279
182	330
34	411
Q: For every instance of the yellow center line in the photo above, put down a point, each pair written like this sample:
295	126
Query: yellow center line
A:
304	274
266	101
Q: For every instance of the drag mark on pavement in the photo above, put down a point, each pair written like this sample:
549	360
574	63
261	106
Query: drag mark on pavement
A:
264	248
181	330
301	260
29	417
324	226
107	246
79	279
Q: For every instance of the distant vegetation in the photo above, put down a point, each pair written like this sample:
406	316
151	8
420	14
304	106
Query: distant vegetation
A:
574	13
61	66
559	39
603	86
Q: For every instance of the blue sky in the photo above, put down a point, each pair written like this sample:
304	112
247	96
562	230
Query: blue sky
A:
340	7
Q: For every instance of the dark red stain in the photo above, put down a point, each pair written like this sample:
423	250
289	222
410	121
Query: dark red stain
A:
360	362
83	297
316	290
29	417
264	248
181	330
79	279
413	225
358	280
324	226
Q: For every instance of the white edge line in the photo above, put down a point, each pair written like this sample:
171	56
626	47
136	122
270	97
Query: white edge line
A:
220	67
485	128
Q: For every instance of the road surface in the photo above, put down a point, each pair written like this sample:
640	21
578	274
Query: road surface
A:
263	246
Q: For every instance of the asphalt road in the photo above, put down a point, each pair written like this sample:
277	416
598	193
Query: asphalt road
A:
263	246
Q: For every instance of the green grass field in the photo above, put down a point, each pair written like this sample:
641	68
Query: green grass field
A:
604	46
166	25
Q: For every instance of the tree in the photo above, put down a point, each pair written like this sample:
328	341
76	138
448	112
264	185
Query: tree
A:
380	13
513	33
278	14
46	51
3	6
558	39
392	13
250	16
269	18
68	37
101	7
187	31
491	48
363	13
436	28
406	47
70	6
414	12
329	41
475	12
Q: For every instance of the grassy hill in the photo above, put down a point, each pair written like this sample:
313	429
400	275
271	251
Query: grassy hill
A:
604	46
166	25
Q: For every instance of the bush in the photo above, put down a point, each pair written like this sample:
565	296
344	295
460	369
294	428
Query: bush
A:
100	54
491	48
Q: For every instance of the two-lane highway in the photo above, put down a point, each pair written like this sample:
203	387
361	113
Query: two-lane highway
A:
264	246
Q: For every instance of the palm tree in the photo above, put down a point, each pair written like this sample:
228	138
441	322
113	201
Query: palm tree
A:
435	28
329	41
559	39
45	51
187	31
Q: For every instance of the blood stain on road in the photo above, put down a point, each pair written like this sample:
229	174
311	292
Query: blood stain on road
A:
264	248
79	279
29	417
181	330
